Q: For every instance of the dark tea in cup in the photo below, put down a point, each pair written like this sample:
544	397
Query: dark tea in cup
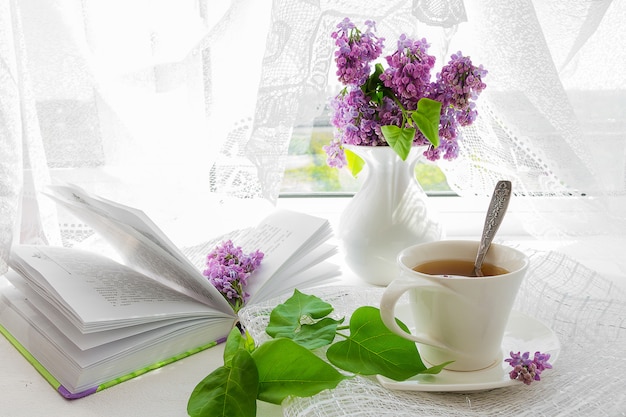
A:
457	267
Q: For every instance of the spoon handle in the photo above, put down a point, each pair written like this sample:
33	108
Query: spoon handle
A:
497	207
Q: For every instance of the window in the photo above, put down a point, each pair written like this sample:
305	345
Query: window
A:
306	171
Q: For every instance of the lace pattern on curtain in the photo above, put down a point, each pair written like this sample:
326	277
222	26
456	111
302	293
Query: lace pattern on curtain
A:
187	104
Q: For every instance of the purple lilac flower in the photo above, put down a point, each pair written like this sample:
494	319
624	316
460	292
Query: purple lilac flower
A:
228	269
432	153
458	84
541	360
336	156
357	121
408	74
461	81
355	51
468	115
528	370
450	149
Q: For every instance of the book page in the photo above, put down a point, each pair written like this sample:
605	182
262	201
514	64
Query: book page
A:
289	240
310	270
97	293
140	243
84	341
285	237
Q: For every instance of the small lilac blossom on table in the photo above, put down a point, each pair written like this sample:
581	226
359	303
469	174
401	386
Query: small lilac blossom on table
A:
228	270
420	111
528	370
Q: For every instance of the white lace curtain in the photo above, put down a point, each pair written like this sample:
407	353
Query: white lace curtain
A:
168	105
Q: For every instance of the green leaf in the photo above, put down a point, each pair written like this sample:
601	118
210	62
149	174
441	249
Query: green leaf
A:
236	342
373	86
400	139
355	162
302	318
373	349
227	391
427	118
286	368
436	369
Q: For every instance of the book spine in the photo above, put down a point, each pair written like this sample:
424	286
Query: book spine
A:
158	365
63	391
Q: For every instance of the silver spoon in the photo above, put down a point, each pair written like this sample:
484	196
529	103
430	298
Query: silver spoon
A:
497	208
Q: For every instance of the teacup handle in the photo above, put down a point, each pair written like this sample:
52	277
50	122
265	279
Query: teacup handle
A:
388	303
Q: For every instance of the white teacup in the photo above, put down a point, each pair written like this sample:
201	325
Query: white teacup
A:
456	318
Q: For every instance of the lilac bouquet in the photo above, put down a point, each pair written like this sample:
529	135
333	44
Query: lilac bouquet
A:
228	269
399	106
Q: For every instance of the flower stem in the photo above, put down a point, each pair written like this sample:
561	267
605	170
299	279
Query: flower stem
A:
405	112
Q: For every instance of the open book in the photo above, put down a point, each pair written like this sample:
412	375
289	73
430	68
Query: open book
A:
87	322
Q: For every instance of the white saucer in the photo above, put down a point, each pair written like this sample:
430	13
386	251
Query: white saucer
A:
523	334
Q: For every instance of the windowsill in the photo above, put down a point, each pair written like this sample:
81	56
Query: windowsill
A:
463	218
189	223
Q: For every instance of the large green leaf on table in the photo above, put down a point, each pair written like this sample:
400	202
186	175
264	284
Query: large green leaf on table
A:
286	368
227	391
373	349
400	139
302	318
427	118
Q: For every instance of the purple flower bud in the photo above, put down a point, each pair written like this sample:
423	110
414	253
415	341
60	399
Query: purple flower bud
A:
228	269
526	369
